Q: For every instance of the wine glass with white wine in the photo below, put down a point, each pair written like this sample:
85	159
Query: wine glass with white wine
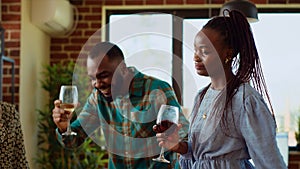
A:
166	122
69	99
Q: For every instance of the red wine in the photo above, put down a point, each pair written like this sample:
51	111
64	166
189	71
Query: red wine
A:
166	125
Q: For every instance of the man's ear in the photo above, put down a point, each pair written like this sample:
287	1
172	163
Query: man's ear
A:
123	68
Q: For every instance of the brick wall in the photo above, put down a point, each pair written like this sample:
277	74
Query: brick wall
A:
11	22
90	21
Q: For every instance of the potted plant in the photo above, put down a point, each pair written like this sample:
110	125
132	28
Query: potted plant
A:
51	155
297	135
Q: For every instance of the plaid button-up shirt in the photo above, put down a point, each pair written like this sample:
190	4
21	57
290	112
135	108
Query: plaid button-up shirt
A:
127	123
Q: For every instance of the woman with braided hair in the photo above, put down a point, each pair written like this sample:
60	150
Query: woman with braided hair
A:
230	122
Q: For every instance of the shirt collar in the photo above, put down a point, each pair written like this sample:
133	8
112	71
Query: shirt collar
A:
137	84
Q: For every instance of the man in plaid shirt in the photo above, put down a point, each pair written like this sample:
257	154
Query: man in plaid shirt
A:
124	104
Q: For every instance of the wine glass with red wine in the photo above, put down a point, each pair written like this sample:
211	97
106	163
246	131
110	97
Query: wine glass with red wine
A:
69	98
166	122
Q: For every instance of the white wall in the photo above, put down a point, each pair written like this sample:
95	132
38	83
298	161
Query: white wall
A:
34	53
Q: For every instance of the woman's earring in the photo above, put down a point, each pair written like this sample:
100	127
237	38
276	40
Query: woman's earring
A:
227	60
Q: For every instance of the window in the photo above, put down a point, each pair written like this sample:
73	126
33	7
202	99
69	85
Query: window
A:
146	40
278	49
279	53
161	34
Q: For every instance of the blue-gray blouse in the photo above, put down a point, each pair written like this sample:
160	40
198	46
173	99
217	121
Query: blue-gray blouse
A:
251	135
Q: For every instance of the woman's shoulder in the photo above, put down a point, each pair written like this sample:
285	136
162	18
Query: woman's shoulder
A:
247	94
245	90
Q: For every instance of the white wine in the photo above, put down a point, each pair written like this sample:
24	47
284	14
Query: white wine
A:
68	107
69	98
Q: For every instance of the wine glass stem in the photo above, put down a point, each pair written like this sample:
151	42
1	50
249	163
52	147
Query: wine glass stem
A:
69	125
161	156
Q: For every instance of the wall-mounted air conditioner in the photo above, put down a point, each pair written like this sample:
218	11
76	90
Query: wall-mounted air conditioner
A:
55	17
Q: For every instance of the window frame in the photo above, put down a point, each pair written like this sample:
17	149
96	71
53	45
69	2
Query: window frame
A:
184	12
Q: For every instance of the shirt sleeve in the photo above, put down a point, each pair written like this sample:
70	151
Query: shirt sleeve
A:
86	123
12	148
259	131
186	160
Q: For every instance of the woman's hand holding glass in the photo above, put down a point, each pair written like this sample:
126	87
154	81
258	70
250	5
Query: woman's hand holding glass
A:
169	142
166	124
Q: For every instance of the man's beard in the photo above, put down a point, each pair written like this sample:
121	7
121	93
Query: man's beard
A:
118	88
108	99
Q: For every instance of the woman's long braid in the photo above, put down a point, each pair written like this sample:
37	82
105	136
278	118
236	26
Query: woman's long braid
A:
250	67
236	33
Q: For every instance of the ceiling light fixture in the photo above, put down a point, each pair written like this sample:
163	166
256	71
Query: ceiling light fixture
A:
248	8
